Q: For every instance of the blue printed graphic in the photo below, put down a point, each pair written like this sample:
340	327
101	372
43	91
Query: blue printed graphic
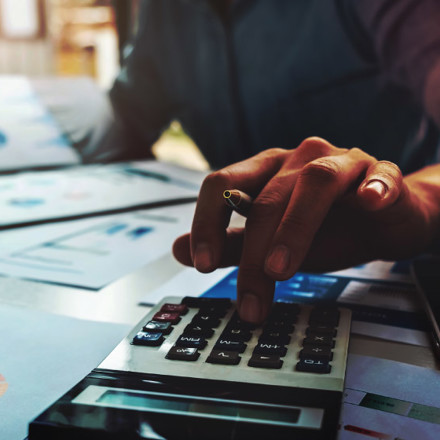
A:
300	288
26	203
3	139
139	232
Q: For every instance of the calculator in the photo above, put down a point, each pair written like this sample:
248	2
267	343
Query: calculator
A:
192	369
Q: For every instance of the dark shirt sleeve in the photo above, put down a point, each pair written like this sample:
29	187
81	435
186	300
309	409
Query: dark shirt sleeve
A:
405	35
139	96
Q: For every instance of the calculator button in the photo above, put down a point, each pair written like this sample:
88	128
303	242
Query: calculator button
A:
199	302
183	354
319	340
205	320
181	309
274	337
228	345
197	330
155	326
279	326
223	357
148	339
322	329
236	322
313	366
173	318
218	312
262	361
237	334
324	316
291	308
270	349
320	353
191	342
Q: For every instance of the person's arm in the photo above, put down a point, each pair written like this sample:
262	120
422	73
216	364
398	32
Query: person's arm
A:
140	99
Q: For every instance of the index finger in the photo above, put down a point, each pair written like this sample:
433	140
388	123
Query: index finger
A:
212	215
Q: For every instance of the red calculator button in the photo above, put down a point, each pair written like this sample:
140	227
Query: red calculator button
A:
174	318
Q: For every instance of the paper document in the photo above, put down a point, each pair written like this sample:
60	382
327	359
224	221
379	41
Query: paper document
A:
93	189
91	253
43	356
389	400
29	136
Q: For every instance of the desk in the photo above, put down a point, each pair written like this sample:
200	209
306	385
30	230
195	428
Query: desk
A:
118	302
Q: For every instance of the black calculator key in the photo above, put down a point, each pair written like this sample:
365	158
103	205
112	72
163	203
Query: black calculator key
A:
228	345
205	320
313	366
274	337
181	309
263	361
323	340
199	302
156	326
237	334
279	326
223	357
324	316
321	329
316	352
236	322
218	312
148	339
197	330
280	307
174	318
191	342
183	354
270	349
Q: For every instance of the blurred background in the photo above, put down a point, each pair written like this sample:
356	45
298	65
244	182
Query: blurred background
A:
77	38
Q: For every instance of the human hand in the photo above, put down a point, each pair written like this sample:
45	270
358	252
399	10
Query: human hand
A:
316	207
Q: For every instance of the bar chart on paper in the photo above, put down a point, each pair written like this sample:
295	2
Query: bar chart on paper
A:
91	253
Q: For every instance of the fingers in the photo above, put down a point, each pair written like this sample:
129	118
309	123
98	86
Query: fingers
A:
319	185
230	256
381	186
208	232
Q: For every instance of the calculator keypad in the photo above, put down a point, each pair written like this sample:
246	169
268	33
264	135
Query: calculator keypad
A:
208	328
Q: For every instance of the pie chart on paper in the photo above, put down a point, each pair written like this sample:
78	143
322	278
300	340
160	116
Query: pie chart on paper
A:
3	385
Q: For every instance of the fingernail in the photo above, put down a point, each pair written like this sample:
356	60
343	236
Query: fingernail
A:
377	186
250	308
202	257
279	259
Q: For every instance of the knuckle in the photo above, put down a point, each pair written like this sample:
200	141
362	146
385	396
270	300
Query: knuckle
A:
391	167
316	145
267	201
217	179
322	170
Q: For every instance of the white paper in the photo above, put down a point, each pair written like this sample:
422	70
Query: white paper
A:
43	356
29	136
36	197
404	398
91	253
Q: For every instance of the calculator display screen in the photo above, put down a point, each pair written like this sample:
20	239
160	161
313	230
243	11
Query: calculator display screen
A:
237	411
